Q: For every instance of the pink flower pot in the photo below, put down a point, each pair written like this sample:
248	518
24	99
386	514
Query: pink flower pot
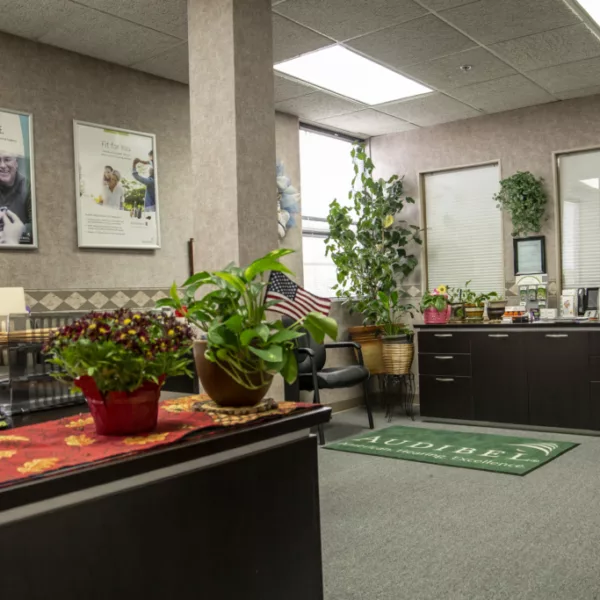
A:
432	316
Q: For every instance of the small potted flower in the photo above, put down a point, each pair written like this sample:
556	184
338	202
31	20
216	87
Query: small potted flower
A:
120	361
435	306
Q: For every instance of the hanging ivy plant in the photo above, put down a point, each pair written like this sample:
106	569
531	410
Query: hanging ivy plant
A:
523	197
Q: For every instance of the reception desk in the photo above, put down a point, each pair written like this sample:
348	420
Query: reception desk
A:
542	374
229	514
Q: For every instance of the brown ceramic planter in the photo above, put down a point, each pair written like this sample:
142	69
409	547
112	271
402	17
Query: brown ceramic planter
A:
220	386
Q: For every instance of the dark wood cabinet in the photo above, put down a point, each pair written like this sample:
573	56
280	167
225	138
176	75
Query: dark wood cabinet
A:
446	397
499	377
532	375
557	374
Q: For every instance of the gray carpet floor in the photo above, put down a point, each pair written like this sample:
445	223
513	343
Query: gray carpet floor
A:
395	530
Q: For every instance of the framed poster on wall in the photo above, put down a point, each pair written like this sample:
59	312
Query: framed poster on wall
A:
116	183
17	182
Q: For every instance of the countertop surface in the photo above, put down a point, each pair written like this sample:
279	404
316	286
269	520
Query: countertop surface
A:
195	446
486	325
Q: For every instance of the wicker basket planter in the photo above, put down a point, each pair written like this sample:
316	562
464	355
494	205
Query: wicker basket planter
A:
398	353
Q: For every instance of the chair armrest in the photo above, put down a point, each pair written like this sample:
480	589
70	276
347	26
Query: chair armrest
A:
354	345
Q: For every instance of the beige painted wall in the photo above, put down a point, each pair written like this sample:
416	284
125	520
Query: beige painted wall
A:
522	140
56	87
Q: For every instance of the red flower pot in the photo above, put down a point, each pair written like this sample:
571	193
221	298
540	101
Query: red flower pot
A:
122	413
431	316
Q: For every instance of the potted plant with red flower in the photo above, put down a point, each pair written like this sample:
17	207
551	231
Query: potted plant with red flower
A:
120	361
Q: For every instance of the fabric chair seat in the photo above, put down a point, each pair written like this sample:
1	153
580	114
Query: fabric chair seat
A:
337	377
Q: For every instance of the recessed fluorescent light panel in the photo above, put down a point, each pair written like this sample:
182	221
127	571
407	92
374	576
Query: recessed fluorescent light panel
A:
592	8
346	73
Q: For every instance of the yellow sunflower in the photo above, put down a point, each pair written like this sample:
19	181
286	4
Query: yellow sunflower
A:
442	289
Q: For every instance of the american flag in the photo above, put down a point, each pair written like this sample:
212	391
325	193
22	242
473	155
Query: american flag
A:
295	301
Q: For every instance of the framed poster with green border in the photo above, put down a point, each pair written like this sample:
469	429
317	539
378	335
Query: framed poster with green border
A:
18	228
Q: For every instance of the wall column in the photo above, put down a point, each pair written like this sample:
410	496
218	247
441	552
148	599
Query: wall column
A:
232	130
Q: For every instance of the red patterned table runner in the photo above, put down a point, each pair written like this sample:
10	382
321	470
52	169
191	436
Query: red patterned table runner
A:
72	441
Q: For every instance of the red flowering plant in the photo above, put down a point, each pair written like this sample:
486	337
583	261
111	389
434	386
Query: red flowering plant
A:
121	350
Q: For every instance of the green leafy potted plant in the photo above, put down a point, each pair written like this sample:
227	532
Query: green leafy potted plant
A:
435	306
397	349
475	302
524	198
120	361
457	306
243	349
369	245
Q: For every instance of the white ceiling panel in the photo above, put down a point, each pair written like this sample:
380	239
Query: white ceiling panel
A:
316	106
367	122
172	64
502	94
491	21
32	19
444	4
286	89
345	19
571	76
166	16
414	42
445	73
430	110
579	93
291	40
563	45
97	34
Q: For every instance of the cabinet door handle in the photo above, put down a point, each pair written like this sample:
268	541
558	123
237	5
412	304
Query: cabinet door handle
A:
557	335
498	335
445	379
442	335
443	357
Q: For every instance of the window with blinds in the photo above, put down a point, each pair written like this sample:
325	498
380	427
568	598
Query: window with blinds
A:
464	229
579	193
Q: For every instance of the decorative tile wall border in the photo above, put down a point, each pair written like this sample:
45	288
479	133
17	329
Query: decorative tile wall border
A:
96	299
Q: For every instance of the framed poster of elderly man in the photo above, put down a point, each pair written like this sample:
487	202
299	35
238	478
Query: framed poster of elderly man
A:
17	184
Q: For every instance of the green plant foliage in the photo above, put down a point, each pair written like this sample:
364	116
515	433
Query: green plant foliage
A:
524	198
468	296
240	338
120	350
391	310
434	300
368	242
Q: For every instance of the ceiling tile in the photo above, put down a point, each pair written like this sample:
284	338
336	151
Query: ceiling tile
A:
588	91
87	31
490	21
368	122
169	17
32	19
563	45
431	109
172	64
506	93
571	76
445	73
286	89
444	4
414	42
291	39
316	106
345	19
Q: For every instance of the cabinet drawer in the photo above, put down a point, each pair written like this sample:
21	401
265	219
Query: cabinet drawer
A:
445	364
594	368
445	397
440	341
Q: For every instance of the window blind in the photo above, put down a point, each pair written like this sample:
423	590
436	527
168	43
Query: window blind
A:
579	192
464	229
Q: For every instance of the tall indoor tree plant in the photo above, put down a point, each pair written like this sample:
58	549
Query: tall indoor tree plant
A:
369	245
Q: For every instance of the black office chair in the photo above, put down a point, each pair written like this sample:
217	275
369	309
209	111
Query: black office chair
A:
313	377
